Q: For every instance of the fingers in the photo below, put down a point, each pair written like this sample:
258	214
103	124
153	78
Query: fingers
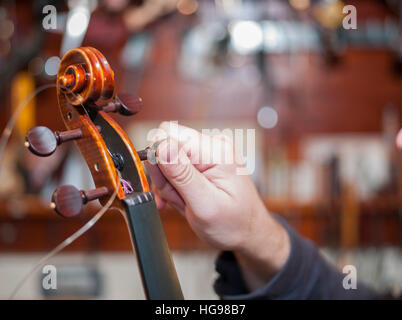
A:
188	141
204	151
184	156
177	168
160	202
163	190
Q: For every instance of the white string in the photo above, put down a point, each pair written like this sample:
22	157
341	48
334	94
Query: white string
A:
5	136
66	242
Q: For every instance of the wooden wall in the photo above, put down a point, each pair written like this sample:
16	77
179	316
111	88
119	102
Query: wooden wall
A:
315	98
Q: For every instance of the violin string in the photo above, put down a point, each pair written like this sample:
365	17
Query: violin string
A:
67	241
5	136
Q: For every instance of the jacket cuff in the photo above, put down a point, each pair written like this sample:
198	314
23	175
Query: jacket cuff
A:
231	285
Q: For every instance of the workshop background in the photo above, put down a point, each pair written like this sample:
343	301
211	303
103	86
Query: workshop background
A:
325	102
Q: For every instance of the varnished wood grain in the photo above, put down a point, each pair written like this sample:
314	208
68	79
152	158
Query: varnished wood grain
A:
74	107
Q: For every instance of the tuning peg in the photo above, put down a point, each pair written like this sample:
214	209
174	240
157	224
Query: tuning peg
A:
125	104
67	200
149	153
43	142
143	154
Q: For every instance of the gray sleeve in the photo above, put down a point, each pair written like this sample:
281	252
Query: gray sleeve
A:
305	275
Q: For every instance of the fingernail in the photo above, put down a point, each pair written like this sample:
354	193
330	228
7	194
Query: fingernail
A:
167	152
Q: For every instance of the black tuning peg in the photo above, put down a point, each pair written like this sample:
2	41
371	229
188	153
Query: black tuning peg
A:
43	142
143	154
125	104
68	201
149	153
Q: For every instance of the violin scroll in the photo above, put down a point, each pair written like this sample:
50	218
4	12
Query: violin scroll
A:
86	93
85	75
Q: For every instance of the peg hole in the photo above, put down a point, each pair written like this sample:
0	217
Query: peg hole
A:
96	166
69	116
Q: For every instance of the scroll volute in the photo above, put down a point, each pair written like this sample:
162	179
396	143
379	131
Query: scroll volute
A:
85	81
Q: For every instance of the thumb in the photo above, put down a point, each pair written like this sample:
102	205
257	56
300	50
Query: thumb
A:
177	168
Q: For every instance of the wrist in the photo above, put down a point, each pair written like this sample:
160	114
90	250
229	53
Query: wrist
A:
265	252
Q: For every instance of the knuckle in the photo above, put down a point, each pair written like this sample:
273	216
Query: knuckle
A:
184	175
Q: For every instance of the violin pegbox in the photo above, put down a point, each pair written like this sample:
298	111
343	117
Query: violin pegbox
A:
85	75
86	93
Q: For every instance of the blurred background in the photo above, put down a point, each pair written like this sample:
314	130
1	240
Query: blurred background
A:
325	102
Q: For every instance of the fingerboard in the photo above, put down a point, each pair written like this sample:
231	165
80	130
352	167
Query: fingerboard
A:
156	265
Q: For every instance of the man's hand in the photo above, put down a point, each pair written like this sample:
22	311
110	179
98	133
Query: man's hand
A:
198	175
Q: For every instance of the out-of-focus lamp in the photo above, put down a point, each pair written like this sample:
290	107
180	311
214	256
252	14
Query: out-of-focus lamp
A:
246	36
329	13
300	4
187	7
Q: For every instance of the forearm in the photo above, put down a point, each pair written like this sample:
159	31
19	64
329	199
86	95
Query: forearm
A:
265	255
305	275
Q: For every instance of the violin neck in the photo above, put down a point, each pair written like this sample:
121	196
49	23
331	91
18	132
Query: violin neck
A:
155	262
